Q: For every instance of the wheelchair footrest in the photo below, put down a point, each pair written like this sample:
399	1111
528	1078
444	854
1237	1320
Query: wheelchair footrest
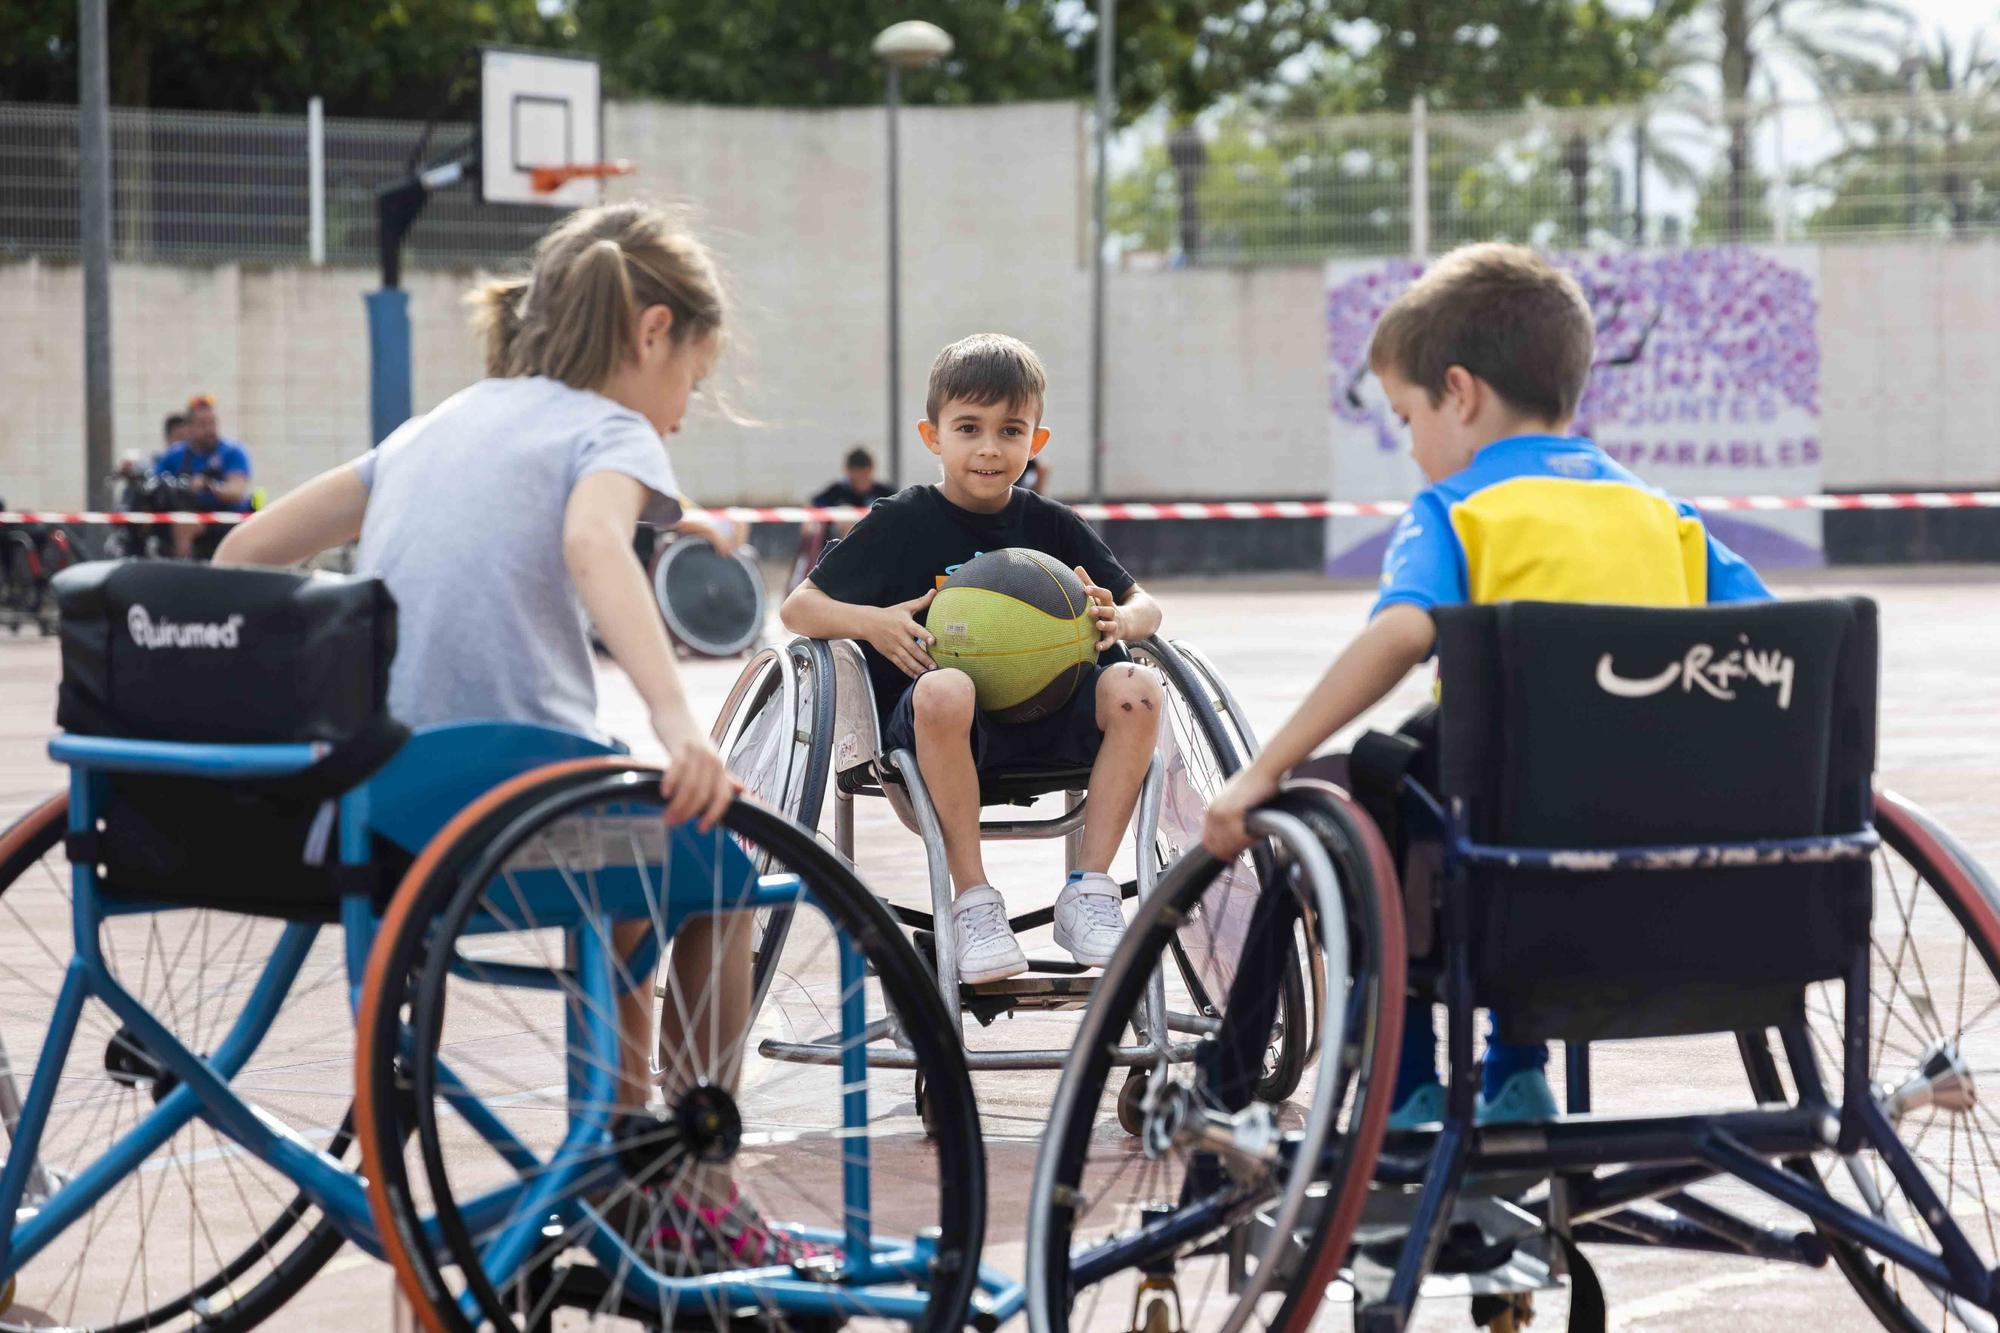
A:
1491	1247
993	999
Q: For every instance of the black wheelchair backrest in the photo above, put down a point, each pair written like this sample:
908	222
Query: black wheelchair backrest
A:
1569	725
1578	729
157	650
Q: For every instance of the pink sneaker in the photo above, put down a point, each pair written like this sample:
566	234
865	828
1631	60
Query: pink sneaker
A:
716	1240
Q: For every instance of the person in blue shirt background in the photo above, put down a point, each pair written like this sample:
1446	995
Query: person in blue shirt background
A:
219	470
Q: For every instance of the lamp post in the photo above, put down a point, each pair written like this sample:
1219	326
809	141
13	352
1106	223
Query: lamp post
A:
1105	37
908	45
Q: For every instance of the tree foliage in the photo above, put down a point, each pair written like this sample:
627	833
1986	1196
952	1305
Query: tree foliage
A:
1918	147
1476	55
406	58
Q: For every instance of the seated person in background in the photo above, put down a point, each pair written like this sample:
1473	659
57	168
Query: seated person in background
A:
1484	359
1036	478
173	431
857	488
218	469
983	420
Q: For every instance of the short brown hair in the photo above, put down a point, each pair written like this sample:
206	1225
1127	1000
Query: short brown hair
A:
575	317
987	368
1503	313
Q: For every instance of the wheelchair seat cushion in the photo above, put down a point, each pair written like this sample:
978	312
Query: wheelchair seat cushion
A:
1574	728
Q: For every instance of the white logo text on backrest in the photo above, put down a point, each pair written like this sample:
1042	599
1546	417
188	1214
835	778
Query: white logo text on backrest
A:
150	633
1716	675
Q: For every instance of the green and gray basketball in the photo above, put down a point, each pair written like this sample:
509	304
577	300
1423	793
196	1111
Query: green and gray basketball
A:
1017	622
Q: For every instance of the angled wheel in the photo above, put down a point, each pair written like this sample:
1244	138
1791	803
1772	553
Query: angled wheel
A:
1203	743
1242	1214
1933	1048
772	732
506	1023
201	1235
712	603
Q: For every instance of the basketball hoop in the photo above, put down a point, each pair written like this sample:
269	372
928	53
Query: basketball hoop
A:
547	180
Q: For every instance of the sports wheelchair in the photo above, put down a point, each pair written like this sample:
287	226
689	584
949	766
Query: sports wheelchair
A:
1637	824
802	718
206	1090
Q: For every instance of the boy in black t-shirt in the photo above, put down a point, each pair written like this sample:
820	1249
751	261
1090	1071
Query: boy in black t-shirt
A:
983	421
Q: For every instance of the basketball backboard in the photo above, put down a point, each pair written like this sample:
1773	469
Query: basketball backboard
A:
537	110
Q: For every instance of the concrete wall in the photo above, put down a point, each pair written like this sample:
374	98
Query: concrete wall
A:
1215	379
284	351
1910	365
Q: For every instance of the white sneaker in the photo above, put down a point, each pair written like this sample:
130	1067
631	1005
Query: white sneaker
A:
987	949
1089	919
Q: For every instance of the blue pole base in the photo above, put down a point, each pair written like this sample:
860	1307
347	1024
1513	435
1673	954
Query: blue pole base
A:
388	360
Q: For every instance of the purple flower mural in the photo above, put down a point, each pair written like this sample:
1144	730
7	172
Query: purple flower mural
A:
1705	381
1735	326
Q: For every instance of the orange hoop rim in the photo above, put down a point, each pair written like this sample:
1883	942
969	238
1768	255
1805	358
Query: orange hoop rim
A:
547	180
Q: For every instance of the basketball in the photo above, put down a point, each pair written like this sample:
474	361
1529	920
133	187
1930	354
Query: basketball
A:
1017	622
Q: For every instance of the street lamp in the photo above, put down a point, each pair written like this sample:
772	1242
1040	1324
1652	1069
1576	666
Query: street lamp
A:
911	44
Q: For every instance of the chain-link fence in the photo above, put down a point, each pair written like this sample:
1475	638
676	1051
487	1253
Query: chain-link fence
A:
211	186
1241	189
222	186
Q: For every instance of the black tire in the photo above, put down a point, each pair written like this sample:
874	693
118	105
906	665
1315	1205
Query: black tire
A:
419	962
20	595
235	1293
713	604
1186	1183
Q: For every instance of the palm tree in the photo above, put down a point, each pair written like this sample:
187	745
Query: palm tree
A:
1833	43
1935	116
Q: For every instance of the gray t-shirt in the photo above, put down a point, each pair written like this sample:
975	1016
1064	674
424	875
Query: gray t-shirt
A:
465	524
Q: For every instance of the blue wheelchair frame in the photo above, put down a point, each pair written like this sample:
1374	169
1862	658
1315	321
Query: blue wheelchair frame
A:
438	772
1661	1155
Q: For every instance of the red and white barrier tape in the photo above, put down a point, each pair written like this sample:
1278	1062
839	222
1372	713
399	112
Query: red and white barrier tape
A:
1182	509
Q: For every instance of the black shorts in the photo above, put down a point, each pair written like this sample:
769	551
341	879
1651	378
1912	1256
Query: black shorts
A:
1065	739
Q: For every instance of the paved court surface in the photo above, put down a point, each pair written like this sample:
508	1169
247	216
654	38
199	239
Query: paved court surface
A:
1940	746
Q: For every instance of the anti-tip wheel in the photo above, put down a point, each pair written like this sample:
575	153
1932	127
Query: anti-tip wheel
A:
1131	1103
925	1111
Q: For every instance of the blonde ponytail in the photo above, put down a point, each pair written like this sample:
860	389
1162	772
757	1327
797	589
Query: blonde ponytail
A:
496	319
575	318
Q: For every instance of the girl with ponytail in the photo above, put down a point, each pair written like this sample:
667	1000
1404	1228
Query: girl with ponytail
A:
502	522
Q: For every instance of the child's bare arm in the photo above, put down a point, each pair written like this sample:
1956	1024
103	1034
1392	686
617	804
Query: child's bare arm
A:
1121	619
1139	616
323	513
1380	656
892	631
598	523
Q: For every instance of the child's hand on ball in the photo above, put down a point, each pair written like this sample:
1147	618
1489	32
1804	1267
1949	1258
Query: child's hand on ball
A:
1103	610
898	636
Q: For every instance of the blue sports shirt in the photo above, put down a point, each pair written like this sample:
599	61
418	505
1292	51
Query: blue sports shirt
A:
225	459
1554	519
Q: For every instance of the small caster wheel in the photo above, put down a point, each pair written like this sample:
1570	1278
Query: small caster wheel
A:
1504	1314
1131	1102
924	1109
